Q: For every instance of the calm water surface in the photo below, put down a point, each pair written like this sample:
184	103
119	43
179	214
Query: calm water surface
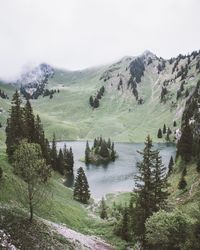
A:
118	175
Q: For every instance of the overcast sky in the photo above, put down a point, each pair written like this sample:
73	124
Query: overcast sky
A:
76	34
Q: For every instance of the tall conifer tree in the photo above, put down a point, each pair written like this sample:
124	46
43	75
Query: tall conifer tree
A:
14	128
184	145
150	186
81	187
54	153
29	123
87	152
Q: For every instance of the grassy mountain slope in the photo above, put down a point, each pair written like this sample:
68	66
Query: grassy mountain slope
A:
59	207
119	115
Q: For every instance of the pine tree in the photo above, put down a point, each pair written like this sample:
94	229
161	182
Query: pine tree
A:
164	129
91	101
170	166
95	143
29	122
184	145
144	187
68	161
65	158
14	128
22	125
104	150
81	187
96	102
103	209
125	231
71	161
100	140
159	133
150	186
167	138
54	153
113	153
60	162
159	184
39	138
87	152
109	143
174	124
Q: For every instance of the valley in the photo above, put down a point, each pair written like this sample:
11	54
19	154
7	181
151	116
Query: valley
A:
117	176
142	94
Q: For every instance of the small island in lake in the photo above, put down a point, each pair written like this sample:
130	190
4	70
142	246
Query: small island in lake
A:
101	152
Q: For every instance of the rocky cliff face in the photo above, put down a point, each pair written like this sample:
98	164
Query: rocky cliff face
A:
32	82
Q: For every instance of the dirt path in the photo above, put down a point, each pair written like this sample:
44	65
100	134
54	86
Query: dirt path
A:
194	185
82	241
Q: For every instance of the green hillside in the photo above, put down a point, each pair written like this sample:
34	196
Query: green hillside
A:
119	115
58	207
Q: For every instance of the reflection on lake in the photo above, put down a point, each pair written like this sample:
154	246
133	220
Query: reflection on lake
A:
118	175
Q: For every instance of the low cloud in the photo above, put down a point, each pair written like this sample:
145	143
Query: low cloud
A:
76	34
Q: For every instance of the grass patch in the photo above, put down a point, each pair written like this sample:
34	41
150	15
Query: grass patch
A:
59	207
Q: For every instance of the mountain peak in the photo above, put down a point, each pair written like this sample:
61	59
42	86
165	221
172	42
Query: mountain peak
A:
148	53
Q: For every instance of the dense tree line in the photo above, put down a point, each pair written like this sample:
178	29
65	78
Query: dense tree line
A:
189	144
39	91
62	160
23	124
94	101
50	92
105	150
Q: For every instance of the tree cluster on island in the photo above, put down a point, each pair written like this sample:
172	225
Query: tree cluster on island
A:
94	101
102	151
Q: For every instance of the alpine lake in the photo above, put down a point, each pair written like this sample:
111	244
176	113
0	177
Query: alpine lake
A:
115	176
